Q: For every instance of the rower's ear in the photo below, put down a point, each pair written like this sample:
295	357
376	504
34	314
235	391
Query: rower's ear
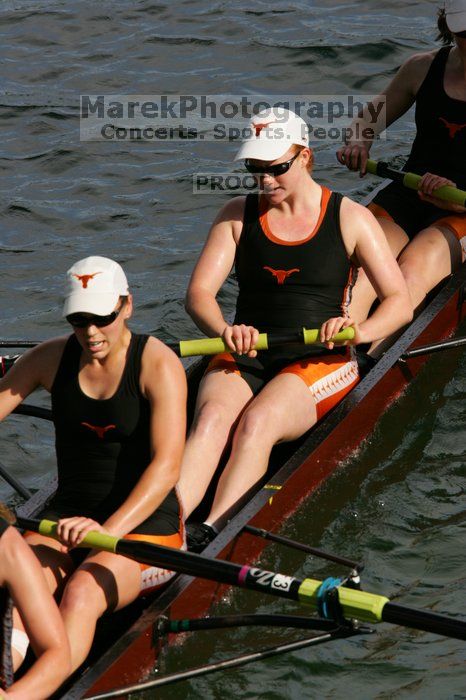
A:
128	308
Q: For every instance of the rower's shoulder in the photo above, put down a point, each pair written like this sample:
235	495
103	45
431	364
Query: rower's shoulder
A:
44	354
157	353
232	211
418	64
355	218
159	362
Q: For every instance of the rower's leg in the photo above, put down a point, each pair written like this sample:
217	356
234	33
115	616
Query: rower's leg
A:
222	396
57	566
430	257
103	582
363	293
283	411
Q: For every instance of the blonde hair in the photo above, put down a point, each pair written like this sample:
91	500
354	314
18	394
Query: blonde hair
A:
297	149
7	514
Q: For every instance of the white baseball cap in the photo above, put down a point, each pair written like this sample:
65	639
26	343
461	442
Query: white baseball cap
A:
93	286
455	11
273	131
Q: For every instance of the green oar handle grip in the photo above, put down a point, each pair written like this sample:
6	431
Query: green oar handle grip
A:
311	336
214	346
367	607
411	180
99	540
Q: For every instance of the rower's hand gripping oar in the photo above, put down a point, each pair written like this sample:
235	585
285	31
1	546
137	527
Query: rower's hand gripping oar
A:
411	180
354	604
214	346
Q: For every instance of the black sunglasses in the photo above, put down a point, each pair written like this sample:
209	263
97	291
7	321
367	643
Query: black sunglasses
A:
83	320
274	170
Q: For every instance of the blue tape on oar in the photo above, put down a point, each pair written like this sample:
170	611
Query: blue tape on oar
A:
324	592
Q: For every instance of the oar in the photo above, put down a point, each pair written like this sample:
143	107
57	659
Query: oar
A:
411	180
14	483
434	347
364	606
19	343
229	663
213	346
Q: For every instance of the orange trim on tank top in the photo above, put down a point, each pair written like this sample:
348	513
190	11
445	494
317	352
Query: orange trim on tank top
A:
326	193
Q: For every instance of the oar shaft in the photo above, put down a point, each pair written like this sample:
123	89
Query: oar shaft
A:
434	347
411	180
214	346
424	620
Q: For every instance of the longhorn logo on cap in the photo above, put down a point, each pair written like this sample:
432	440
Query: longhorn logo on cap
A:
84	279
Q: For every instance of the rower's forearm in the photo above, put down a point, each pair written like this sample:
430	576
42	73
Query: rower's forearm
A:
367	125
48	672
150	491
392	314
206	313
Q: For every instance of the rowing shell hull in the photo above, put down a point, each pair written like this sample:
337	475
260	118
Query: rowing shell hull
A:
317	456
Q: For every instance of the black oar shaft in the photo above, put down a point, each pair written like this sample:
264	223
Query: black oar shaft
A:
424	620
434	347
19	343
14	483
280	539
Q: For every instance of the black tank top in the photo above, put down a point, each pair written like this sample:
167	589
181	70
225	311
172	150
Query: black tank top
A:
440	143
285	286
6	627
102	445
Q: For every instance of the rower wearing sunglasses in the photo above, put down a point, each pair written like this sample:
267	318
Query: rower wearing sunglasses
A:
118	402
428	233
295	247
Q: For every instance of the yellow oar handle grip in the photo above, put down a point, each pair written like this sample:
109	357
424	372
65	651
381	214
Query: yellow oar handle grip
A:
411	180
214	346
312	335
100	540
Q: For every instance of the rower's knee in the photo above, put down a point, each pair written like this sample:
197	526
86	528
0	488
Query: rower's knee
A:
79	596
211	421
255	426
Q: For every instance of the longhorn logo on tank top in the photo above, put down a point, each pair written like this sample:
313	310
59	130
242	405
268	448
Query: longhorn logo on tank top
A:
281	275
453	128
99	430
84	279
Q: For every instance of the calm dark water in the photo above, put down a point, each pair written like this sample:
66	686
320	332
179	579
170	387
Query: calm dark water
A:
399	504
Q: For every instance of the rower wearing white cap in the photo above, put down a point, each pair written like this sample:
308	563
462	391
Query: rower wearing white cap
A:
295	247
118	402
428	233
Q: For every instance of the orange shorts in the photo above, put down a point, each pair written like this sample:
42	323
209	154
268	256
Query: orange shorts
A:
152	577
328	377
413	215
